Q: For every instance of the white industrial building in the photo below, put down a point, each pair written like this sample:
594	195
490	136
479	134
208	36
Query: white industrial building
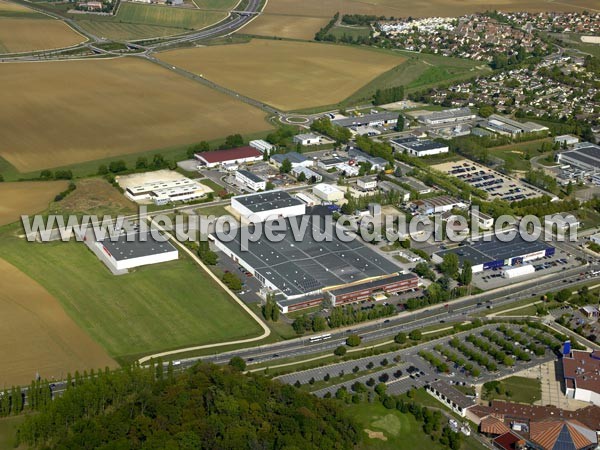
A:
310	175
584	157
447	116
566	139
517	271
507	126
307	139
348	170
380	119
367	183
231	156
250	180
437	205
418	148
483	220
262	206
328	192
136	249
309	199
164	192
262	146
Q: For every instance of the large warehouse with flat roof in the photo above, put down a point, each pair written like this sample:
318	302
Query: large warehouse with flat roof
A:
303	272
495	253
267	205
136	249
584	156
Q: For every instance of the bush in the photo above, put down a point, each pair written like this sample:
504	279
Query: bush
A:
353	340
340	351
238	363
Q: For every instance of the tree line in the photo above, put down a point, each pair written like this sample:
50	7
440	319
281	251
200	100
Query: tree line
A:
204	407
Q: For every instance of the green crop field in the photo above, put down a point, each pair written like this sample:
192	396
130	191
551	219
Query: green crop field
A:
166	16
353	32
151	309
220	5
419	71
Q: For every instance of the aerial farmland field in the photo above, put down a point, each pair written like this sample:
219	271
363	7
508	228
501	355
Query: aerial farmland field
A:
105	108
135	21
26	198
287	75
166	16
151	309
38	335
291	27
220	5
414	8
24	30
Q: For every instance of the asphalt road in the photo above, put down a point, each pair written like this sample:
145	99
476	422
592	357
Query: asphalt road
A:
457	310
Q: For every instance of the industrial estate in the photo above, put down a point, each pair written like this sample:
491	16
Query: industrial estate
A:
320	224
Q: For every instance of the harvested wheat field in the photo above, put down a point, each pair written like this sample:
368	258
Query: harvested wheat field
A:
60	113
24	30
285	74
27	197
416	8
37	336
291	27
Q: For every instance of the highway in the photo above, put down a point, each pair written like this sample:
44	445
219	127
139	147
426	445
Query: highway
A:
455	311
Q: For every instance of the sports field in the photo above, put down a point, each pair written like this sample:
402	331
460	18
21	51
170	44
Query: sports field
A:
151	309
285	74
24	30
105	108
37	336
26	198
416	8
291	27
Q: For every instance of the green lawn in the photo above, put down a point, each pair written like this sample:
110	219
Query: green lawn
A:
401	430
213	185
516	389
518	155
354	32
151	309
418	72
8	430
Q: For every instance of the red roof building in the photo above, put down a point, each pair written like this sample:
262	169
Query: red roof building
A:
229	156
509	441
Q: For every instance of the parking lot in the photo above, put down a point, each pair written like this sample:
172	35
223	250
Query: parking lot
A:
497	185
412	371
492	278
